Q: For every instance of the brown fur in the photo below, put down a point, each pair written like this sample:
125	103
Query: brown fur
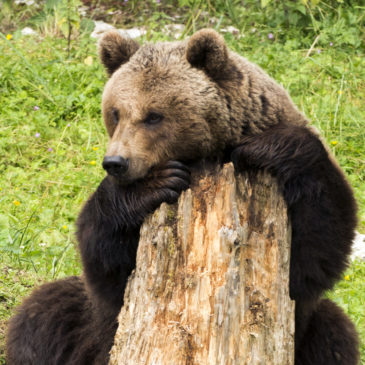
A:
207	114
214	100
189	101
115	50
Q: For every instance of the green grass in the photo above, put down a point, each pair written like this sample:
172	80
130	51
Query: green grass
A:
350	295
52	138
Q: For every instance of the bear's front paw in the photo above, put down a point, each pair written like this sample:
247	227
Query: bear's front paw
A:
166	182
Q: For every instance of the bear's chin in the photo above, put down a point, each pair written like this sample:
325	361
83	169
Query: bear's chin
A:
124	180
129	178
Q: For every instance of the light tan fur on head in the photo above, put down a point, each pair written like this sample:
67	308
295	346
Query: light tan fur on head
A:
205	97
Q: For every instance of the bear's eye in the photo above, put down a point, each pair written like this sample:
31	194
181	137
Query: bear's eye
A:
115	113
153	118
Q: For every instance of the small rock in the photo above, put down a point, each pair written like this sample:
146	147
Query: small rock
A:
82	10
132	32
25	2
214	20
231	29
175	30
100	28
28	31
358	247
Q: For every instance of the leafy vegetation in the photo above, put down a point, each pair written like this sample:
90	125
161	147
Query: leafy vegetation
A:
350	295
52	138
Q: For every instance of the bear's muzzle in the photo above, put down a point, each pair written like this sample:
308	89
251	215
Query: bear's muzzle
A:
115	165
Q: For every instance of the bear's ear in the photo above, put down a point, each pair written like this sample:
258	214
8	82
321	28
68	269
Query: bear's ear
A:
114	50
206	50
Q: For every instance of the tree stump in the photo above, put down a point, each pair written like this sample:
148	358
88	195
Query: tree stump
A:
211	285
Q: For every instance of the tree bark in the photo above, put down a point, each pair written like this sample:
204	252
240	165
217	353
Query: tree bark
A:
212	277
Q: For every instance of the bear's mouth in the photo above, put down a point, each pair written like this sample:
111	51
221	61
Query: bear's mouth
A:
124	181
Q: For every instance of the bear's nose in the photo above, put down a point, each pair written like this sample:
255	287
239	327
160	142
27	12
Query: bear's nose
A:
115	165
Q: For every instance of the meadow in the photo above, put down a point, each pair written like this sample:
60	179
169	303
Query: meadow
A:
52	138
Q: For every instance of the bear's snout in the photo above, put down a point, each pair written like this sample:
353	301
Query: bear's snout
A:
115	165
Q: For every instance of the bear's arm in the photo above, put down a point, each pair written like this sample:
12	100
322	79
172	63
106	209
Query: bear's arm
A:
320	203
107	245
108	229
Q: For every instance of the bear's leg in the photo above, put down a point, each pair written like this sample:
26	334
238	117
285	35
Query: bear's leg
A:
108	229
322	211
49	326
320	203
329	338
108	234
66	322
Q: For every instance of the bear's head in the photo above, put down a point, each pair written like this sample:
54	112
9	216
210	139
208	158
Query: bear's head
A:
165	101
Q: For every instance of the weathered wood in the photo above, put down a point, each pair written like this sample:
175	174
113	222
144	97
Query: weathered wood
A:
211	282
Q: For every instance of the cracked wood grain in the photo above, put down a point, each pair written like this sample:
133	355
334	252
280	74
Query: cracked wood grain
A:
211	280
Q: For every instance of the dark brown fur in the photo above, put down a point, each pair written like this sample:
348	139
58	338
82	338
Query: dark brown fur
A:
205	102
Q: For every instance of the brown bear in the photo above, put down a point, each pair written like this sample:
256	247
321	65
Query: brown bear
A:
166	106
